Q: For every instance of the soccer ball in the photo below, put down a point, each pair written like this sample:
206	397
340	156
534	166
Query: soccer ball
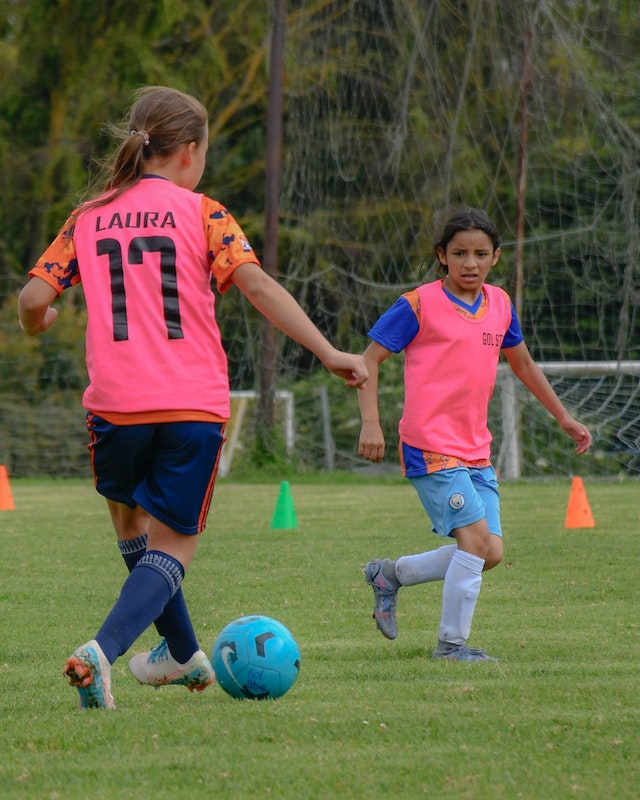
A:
256	657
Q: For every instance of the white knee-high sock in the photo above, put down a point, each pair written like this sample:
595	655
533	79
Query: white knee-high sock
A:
425	567
459	595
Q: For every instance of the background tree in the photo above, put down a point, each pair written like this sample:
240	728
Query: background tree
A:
393	108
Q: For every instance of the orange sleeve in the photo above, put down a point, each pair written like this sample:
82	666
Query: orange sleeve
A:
58	265
228	246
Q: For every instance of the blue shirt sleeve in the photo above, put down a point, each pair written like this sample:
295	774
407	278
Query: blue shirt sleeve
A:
396	327
513	336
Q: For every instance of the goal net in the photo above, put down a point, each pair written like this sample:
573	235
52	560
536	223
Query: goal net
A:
393	110
318	428
397	108
605	395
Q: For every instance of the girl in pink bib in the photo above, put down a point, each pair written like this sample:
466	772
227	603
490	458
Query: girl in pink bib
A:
146	251
452	332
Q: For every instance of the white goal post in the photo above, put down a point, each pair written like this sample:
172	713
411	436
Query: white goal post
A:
509	461
604	395
239	403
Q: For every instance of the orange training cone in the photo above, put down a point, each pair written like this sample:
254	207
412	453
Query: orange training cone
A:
6	498
578	511
284	514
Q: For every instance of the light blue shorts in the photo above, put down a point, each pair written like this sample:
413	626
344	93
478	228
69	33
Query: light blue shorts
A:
461	496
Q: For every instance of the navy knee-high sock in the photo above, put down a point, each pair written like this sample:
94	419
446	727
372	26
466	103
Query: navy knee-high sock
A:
150	585
174	624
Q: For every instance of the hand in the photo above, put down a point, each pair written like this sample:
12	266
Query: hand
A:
348	366
47	320
579	433
371	444
50	316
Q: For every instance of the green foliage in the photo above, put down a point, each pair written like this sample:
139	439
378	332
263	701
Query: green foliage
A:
57	97
42	429
392	109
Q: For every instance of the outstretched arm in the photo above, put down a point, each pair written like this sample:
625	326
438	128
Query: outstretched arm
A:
525	368
372	444
35	312
275	303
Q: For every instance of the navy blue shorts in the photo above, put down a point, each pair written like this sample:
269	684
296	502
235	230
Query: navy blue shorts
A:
167	468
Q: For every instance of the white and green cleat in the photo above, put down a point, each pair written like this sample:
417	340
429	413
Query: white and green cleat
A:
157	667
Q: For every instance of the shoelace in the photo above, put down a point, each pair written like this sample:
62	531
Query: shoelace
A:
159	652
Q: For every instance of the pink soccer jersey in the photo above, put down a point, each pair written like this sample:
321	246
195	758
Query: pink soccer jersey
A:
145	261
450	373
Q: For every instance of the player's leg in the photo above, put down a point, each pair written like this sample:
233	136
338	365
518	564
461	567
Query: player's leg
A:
178	493
117	478
424	567
461	589
178	462
174	624
433	565
386	577
151	584
117	457
495	553
148	595
471	513
451	498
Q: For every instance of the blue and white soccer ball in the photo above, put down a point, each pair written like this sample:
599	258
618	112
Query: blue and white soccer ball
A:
256	657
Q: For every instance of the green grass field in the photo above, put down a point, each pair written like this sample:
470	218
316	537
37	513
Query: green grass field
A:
557	717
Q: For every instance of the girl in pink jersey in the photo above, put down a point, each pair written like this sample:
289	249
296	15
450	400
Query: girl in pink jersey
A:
452	332
158	394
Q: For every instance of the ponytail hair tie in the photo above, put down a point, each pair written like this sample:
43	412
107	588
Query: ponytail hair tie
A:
144	135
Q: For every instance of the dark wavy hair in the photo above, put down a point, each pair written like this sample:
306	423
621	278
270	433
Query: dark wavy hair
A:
464	219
